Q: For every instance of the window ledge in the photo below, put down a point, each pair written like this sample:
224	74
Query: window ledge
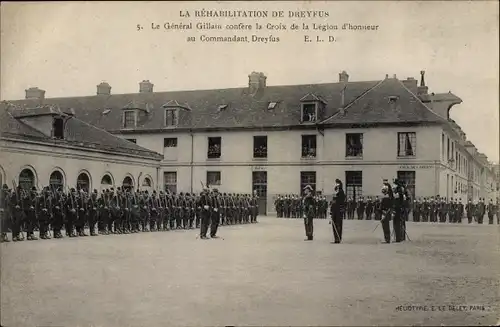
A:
407	157
259	159
213	159
308	158
354	158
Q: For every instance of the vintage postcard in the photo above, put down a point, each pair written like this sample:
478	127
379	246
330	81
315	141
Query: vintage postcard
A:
249	163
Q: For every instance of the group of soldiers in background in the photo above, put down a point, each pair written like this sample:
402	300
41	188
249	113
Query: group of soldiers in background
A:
432	209
119	211
291	206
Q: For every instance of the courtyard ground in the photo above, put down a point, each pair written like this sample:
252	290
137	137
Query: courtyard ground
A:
261	274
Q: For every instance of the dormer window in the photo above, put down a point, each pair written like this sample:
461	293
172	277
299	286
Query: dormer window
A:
171	117
58	128
309	112
129	119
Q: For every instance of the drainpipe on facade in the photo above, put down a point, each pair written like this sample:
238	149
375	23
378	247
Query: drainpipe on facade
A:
192	154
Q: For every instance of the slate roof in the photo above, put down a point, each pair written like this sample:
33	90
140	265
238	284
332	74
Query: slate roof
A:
390	101
77	133
202	108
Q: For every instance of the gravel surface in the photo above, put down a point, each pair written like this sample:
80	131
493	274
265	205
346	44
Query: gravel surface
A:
260	274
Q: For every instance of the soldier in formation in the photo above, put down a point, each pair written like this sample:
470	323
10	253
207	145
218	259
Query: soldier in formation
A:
120	211
290	206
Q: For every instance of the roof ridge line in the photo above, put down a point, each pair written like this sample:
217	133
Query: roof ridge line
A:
187	90
352	102
419	100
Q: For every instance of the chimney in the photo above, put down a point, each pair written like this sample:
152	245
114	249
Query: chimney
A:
256	81
343	77
146	87
411	84
35	93
422	89
103	89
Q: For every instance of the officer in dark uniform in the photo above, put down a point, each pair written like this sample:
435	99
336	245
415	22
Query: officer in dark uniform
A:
309	204
58	212
398	194
360	208
43	209
378	208
71	213
387	209
491	212
337	210
416	210
92	212
205	213
31	214
469	209
17	203
215	214
369	209
460	211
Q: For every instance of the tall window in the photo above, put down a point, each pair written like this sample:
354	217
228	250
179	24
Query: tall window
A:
213	178
170	181
214	147
407	144
128	119
447	149
132	140
307	178
260	146
170	148
408	177
170	142
308	146
309	112
58	128
56	180
354	184
170	117
354	145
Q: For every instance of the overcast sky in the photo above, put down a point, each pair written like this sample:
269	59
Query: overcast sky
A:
69	48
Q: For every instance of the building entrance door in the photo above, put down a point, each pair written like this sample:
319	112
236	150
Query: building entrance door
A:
259	185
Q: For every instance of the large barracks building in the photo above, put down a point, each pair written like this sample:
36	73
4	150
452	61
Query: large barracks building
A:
272	139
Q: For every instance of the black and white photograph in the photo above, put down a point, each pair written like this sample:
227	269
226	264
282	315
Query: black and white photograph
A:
249	163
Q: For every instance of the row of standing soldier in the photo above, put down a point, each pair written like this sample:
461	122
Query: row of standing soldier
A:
425	210
291	206
116	212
